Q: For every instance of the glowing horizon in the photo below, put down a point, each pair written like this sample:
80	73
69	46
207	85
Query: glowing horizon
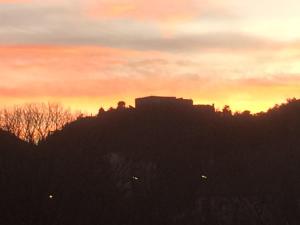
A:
91	106
89	54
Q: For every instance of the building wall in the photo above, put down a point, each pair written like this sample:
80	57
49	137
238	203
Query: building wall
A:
156	101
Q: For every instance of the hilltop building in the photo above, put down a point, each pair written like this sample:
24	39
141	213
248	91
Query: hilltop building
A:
162	102
205	108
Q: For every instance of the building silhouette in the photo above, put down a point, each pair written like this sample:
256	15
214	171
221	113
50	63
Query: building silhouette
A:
170	103
151	102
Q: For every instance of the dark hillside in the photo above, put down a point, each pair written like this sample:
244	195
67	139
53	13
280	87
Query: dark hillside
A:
157	166
179	166
17	186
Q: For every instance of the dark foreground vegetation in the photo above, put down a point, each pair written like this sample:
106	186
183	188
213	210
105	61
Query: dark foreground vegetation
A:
157	167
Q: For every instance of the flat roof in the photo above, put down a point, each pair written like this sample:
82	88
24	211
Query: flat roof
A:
152	96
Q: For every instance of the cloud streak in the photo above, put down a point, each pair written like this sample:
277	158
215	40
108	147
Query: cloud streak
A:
166	11
65	73
13	1
60	24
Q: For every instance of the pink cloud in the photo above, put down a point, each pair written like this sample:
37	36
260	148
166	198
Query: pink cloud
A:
14	1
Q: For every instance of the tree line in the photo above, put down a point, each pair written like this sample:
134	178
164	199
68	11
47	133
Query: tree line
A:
34	122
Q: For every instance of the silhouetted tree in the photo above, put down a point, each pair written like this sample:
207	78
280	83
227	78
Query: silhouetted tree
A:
33	122
121	105
227	111
101	111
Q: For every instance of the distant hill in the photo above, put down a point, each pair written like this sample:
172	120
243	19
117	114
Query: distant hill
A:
11	143
171	165
161	164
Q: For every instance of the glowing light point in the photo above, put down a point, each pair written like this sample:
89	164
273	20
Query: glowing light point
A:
135	178
51	196
204	177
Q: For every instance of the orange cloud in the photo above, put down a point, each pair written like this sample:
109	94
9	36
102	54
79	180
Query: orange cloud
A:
93	76
167	10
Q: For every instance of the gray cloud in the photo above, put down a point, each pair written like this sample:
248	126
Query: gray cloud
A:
38	24
204	41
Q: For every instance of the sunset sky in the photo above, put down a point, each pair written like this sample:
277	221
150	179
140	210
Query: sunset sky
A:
92	53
